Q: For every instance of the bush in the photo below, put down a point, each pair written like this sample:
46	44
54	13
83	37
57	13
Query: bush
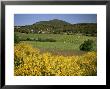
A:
16	39
29	61
46	40
40	39
28	39
87	45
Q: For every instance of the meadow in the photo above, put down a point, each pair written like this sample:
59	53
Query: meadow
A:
54	55
62	42
28	61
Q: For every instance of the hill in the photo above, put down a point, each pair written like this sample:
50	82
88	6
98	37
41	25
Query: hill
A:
57	26
52	22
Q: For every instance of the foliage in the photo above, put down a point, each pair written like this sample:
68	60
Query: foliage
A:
46	40
62	42
30	62
87	45
39	39
16	38
58	27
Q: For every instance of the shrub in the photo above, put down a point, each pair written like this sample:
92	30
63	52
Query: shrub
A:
28	61
87	45
46	40
16	39
40	39
28	39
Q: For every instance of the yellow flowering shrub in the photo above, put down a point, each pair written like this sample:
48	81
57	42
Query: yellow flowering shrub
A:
29	62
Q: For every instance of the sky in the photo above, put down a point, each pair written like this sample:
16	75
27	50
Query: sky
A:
29	19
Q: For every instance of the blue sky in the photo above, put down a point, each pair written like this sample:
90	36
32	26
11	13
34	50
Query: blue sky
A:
28	19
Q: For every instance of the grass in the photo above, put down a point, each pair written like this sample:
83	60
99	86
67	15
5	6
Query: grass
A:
63	42
77	38
54	45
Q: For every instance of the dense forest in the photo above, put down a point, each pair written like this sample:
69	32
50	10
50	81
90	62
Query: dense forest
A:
56	26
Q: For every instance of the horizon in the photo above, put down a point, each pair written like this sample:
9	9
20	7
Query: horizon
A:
29	19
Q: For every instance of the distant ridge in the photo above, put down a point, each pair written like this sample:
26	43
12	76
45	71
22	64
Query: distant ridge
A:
57	26
54	21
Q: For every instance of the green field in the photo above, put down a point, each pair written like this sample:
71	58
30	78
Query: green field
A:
64	43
